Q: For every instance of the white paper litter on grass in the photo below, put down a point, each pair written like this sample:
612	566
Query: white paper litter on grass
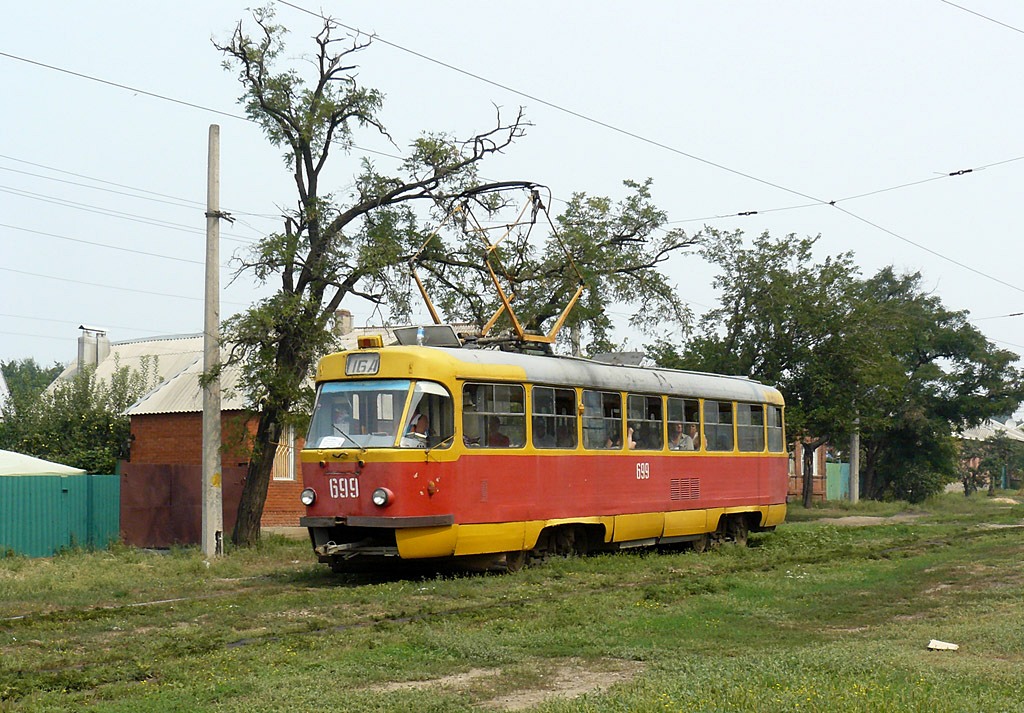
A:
936	645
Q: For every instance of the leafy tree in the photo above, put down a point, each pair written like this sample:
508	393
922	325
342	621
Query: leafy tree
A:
612	248
786	321
80	421
360	244
879	354
935	373
26	380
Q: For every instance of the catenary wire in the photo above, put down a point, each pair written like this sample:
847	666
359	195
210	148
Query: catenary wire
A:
115	287
983	17
586	118
652	142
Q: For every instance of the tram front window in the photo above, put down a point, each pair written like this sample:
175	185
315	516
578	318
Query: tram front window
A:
374	414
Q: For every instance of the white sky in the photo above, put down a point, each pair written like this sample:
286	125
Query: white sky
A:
826	99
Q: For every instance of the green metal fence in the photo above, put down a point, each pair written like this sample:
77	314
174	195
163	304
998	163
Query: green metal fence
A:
837	481
42	514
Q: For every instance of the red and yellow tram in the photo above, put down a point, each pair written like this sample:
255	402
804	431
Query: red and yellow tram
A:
420	452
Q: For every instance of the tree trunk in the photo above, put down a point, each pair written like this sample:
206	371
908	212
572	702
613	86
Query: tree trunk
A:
868	471
257	480
808	469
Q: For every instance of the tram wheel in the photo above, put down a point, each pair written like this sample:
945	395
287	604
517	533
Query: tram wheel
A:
515	560
701	543
737	530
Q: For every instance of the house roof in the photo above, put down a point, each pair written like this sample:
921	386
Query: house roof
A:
181	392
166	355
991	429
12	463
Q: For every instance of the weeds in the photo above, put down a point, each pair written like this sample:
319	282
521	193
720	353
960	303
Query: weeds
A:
811	617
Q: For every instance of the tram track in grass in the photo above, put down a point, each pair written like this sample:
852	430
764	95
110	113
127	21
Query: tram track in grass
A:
425	629
415	575
695	572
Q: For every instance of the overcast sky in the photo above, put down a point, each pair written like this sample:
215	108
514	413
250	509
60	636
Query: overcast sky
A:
728	107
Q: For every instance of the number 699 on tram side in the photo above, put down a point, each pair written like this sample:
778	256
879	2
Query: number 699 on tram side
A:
421	452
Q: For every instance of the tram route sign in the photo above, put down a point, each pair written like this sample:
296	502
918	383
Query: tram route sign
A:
362	364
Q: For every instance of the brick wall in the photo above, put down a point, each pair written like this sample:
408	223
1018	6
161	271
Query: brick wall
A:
177	439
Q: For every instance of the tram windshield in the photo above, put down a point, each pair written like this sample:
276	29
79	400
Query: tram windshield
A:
381	413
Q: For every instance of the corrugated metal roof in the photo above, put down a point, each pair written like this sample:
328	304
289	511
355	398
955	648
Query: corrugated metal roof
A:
181	393
167	355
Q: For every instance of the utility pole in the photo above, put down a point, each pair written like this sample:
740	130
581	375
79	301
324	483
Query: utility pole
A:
213	507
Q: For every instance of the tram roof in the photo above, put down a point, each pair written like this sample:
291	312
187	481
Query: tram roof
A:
575	371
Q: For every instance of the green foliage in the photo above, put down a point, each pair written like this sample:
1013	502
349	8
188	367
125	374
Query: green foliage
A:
614	248
784	320
879	354
25	380
79	421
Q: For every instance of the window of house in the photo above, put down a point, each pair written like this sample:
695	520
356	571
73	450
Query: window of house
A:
284	456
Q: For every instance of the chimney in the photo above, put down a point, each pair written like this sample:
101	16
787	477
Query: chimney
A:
93	346
342	322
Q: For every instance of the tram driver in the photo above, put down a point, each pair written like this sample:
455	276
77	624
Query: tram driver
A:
418	431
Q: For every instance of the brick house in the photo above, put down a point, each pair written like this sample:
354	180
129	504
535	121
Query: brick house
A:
161	474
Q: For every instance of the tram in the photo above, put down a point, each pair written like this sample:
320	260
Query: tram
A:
432	452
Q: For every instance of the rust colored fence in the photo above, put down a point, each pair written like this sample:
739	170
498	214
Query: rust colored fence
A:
161	505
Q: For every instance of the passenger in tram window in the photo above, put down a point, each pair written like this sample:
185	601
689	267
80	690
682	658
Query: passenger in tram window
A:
630	438
691	433
495	438
677	440
419	424
614	439
541	437
564	438
341	418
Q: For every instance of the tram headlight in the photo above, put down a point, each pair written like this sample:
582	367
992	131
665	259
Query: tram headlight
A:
308	497
382	497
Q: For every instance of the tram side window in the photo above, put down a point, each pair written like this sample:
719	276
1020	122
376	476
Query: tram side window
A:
431	421
683	424
718	425
750	427
494	415
644	417
602	419
775	443
554	417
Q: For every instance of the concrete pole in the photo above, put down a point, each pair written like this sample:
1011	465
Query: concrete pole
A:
855	465
213	508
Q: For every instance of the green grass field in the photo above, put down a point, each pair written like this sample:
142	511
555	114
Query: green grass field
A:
821	615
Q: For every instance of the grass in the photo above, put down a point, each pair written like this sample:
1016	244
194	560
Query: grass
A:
816	616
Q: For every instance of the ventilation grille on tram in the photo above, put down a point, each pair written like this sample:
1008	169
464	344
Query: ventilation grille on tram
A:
685	488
